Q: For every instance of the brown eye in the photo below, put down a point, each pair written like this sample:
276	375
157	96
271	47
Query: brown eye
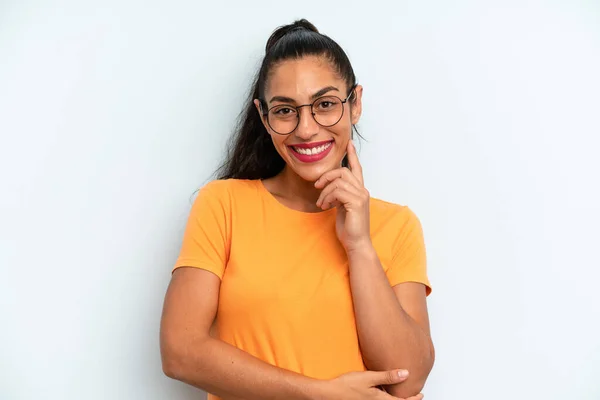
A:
326	104
283	110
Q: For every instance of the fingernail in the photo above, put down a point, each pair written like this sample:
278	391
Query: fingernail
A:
403	373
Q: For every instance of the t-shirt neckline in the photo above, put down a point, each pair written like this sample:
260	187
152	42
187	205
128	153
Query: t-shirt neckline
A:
278	204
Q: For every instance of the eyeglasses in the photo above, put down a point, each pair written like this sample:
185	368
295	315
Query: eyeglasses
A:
326	111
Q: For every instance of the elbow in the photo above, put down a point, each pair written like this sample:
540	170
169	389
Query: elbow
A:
171	363
407	389
173	358
179	357
412	386
169	370
417	377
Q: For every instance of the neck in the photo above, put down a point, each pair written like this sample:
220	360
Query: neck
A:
294	191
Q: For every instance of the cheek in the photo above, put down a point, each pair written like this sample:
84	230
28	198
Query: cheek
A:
279	143
344	131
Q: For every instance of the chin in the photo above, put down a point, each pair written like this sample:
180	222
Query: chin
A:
311	173
309	176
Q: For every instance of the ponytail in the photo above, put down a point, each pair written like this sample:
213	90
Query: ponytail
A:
250	151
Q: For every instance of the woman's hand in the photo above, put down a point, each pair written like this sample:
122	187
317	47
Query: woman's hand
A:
344	189
365	386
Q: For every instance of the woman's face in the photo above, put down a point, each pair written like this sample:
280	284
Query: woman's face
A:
311	149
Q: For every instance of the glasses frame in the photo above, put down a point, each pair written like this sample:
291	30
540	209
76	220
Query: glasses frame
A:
266	114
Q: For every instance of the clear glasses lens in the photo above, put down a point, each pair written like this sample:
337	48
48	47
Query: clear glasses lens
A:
283	119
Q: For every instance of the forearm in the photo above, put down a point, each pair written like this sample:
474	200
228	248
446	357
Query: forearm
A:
219	368
389	337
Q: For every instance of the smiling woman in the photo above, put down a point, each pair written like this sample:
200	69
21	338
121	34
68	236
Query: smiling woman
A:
292	282
303	100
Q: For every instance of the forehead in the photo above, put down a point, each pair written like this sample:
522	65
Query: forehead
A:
301	78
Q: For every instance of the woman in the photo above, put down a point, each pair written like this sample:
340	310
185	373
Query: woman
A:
311	284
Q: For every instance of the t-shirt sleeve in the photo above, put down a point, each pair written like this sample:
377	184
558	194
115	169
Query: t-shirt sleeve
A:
206	239
409	259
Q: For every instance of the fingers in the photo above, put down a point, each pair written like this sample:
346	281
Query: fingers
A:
355	166
387	377
353	174
343	173
339	190
348	196
420	396
336	198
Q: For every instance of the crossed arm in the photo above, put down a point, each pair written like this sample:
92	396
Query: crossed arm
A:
190	354
392	323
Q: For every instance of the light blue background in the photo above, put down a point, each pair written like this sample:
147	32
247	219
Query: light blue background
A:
482	116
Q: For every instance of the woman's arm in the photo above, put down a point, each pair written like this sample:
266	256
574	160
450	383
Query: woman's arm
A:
392	323
191	355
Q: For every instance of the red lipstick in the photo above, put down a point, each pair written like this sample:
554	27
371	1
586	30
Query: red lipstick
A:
311	152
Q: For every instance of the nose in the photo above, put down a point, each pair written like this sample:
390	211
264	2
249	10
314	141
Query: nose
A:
307	126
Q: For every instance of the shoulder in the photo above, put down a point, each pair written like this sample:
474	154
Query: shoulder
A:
228	188
393	217
386	210
227	194
221	199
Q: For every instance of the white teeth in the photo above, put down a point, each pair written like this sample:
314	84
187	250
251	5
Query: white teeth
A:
313	150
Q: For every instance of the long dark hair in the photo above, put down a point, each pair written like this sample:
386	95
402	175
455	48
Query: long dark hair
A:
250	151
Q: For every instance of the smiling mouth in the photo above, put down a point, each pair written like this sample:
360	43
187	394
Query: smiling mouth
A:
311	149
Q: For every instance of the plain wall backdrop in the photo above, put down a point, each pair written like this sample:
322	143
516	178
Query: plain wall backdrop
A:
483	117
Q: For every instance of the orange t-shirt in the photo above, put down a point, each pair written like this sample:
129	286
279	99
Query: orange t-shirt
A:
285	292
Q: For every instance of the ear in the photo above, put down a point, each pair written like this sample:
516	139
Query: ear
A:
357	104
262	116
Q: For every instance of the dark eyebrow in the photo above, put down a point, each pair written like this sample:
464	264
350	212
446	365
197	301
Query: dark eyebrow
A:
323	91
282	99
320	93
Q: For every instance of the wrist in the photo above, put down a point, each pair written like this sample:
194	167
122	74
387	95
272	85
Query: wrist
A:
361	250
322	390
